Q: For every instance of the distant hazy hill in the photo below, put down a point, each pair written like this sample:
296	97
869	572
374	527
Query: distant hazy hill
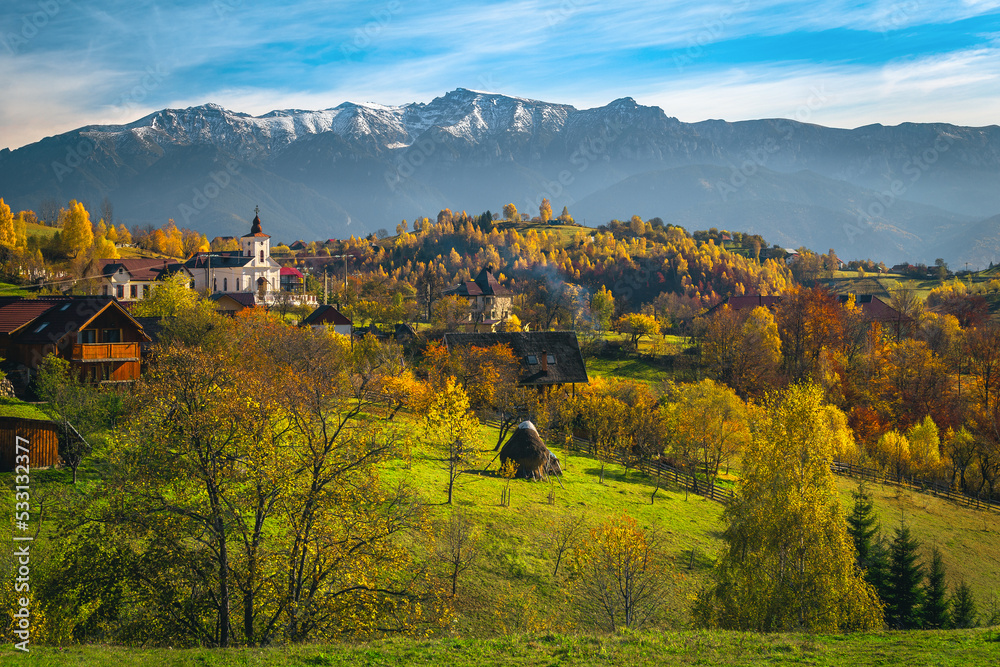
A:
919	190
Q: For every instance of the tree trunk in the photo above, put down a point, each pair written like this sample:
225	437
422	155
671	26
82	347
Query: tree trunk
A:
223	586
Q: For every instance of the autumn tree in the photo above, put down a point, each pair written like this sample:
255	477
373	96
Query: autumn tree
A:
510	213
545	210
624	580
710	428
458	546
743	350
77	234
451	429
636	326
788	561
8	236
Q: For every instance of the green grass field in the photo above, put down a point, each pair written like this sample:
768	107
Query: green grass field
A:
961	648
12	407
511	586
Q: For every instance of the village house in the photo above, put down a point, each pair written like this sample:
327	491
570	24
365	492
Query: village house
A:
489	301
548	358
133	279
328	316
99	338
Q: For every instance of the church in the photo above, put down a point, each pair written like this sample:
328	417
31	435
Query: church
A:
250	269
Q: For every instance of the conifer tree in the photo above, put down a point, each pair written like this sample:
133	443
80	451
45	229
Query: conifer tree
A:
963	607
934	611
863	526
906	574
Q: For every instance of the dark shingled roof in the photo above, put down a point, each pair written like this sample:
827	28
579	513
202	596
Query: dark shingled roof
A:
219	260
562	345
139	268
325	314
484	285
48	319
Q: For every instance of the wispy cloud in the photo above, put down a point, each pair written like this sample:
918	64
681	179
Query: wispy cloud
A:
890	59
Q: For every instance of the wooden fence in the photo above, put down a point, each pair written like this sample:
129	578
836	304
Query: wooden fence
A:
723	494
42	442
934	487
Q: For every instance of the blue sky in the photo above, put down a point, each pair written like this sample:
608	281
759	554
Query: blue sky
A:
68	63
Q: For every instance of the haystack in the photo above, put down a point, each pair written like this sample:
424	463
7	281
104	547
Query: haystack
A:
526	449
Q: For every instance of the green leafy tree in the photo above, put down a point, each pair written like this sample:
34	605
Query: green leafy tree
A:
602	308
788	561
80	410
169	298
906	574
934	611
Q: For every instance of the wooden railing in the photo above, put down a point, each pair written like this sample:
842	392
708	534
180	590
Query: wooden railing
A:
935	487
105	351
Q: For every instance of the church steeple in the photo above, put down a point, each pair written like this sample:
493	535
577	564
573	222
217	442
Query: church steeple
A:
255	227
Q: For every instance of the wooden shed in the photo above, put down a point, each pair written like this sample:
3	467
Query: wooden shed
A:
42	442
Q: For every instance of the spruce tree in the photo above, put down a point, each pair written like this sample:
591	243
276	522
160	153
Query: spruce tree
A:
863	525
905	578
872	555
963	607
934	612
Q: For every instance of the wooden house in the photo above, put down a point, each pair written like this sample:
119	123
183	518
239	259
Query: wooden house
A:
548	358
94	333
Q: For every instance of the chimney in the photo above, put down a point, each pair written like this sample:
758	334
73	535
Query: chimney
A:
545	361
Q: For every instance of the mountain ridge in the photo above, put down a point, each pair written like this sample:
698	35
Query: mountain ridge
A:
356	167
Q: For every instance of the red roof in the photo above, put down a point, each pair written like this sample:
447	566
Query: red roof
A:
15	314
138	268
289	271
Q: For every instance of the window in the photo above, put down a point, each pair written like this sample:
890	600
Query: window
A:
550	358
532	359
120	291
215	284
65	307
112	335
237	284
225	284
105	371
105	290
262	255
41	327
86	336
133	291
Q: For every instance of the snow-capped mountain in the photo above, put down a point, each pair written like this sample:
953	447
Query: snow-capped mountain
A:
913	191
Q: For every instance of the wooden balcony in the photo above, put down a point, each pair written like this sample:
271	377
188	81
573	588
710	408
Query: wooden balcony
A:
96	352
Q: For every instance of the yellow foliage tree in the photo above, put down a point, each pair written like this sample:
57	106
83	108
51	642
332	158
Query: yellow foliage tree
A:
789	562
8	236
77	230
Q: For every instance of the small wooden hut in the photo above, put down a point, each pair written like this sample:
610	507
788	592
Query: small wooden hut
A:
526	449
